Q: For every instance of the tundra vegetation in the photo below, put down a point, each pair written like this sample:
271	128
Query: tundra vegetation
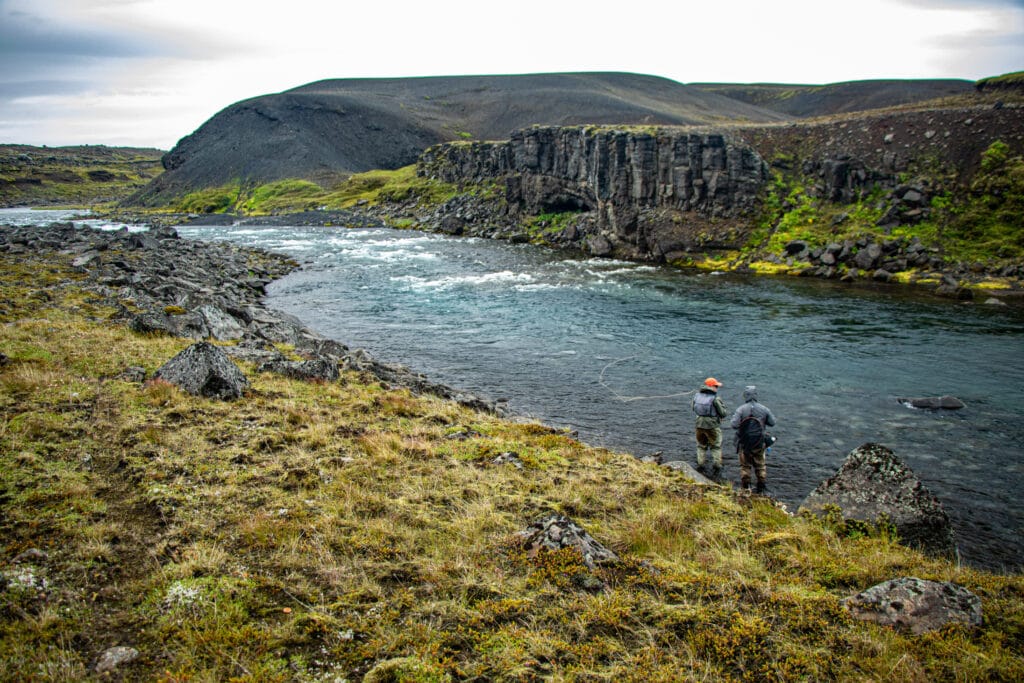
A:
351	531
82	176
285	196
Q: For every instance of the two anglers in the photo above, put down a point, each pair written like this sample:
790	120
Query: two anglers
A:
749	421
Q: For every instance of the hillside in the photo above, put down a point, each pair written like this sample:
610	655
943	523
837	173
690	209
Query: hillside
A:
806	101
327	130
89	174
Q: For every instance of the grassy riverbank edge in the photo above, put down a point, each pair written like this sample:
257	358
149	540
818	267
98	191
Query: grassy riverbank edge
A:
351	531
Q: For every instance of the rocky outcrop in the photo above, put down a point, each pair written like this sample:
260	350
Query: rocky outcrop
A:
204	370
916	605
643	187
871	483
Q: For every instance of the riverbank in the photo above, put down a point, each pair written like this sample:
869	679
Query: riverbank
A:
314	530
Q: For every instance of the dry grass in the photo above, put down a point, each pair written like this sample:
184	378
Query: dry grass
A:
321	532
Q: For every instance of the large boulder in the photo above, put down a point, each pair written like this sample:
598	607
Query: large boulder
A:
873	482
204	370
916	605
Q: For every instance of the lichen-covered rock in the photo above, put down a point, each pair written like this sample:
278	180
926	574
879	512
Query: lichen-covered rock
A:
873	482
555	532
204	370
320	369
149	322
222	325
916	605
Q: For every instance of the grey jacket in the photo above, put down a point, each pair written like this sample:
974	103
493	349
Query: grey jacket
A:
751	408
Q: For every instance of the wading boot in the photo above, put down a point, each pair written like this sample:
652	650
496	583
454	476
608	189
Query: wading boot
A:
716	474
745	484
760	488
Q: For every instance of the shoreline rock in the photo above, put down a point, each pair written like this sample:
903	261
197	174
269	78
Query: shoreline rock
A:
873	483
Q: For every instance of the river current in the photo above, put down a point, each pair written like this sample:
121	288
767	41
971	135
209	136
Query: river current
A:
605	347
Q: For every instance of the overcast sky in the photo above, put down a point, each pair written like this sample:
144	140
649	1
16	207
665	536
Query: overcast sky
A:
148	72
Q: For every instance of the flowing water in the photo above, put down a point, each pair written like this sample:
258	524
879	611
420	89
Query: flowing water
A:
569	340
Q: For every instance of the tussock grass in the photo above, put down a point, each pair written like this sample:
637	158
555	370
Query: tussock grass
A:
349	531
295	194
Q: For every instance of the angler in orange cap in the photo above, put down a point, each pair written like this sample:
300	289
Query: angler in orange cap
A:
710	411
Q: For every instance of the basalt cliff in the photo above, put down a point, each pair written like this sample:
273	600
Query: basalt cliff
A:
640	194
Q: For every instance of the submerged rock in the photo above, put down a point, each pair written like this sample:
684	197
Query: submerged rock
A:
204	370
934	402
916	605
873	482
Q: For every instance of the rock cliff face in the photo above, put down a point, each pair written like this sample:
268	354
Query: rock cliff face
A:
651	194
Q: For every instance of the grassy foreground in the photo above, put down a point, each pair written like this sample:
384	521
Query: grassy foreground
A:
313	532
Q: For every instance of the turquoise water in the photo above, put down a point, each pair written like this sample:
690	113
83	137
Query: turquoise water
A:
567	339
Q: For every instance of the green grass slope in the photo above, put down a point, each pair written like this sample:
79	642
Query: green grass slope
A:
311	532
79	176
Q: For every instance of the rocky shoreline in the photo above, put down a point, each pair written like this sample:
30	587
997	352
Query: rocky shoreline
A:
160	284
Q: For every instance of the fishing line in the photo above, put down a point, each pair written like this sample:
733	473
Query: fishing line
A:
628	399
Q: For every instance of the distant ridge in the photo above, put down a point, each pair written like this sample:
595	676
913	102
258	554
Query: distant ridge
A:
329	129
806	101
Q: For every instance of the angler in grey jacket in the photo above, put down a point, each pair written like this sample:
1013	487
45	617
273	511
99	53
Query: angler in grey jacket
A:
753	459
710	411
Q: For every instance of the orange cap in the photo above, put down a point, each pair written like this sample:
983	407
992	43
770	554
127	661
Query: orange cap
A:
712	382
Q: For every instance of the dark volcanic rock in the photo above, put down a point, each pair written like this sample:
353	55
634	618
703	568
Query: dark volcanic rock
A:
916	605
558	531
651	194
322	370
151	323
934	402
204	370
873	482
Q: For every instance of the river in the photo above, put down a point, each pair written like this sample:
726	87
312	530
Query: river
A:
605	347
